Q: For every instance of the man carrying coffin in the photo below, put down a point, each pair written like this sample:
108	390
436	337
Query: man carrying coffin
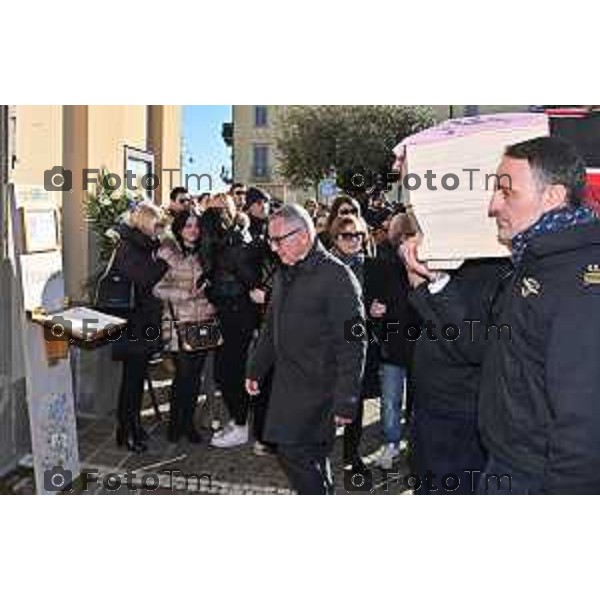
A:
455	312
540	391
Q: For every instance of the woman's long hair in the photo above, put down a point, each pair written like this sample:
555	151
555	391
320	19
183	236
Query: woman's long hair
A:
215	225
177	227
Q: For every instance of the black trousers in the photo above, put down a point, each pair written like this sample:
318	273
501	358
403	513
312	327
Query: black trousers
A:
447	445
237	326
353	435
307	468
186	387
371	388
131	393
260	405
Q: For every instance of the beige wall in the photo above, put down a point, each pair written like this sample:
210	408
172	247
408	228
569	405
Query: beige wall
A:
38	147
96	137
38	142
79	137
110	129
164	139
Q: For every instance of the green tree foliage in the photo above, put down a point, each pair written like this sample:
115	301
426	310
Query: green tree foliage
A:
352	139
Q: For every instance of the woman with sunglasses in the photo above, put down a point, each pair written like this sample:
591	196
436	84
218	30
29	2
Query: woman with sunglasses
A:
342	206
349	235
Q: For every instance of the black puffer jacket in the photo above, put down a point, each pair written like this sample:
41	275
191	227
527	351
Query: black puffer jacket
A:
540	393
136	260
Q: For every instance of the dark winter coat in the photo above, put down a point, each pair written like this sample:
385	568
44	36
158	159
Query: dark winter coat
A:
362	267
137	261
447	374
540	392
387	282
318	373
232	268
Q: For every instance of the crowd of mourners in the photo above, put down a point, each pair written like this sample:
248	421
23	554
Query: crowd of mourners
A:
209	257
525	408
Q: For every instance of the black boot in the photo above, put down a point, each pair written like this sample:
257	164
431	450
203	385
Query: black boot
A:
141	433
193	436
355	464
173	434
130	440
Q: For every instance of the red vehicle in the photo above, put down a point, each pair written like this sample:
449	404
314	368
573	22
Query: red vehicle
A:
581	126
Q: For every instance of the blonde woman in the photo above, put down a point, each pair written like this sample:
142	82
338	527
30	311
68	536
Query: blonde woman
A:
136	260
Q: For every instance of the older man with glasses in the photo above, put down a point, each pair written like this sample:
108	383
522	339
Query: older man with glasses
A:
317	373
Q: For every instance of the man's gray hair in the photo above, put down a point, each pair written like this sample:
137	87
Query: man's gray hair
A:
297	216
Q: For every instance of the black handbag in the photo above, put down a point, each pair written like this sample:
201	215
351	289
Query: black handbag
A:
115	293
197	336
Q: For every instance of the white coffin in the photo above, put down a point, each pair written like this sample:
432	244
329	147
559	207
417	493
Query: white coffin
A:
455	223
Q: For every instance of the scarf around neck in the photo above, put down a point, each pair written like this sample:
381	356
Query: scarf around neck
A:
551	222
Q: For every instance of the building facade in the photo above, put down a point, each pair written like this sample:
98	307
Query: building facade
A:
143	138
36	140
255	162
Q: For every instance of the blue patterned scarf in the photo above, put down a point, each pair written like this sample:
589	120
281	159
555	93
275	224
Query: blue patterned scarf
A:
354	261
551	222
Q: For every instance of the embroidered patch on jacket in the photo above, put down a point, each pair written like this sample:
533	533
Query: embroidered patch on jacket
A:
591	276
530	287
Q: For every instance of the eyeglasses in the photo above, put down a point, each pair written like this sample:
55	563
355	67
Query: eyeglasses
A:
276	241
351	236
347	211
184	200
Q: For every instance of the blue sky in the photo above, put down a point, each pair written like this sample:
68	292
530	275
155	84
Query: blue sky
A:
204	145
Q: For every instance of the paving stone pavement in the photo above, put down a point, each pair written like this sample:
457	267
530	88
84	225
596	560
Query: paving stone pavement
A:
184	468
187	468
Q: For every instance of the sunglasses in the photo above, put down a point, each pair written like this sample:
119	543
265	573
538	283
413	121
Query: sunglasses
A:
276	241
240	193
183	200
348	211
348	236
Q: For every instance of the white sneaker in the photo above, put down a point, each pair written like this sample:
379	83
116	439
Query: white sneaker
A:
221	432
388	454
237	435
261	449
